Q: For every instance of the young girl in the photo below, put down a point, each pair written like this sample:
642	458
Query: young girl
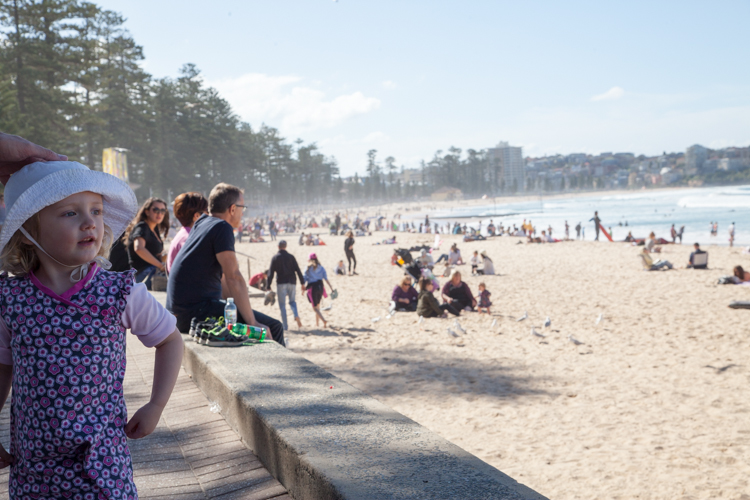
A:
63	318
474	262
315	275
340	269
484	299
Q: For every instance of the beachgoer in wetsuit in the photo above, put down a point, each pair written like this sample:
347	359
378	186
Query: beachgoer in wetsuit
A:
597	222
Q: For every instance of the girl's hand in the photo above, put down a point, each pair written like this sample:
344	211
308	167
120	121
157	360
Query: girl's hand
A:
5	458
143	422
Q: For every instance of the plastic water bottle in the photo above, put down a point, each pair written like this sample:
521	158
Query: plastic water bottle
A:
230	313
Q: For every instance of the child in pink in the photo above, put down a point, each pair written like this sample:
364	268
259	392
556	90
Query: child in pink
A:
63	336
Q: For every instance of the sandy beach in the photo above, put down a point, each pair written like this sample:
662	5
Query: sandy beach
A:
653	405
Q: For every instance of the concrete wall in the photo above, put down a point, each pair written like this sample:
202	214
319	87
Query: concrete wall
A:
324	439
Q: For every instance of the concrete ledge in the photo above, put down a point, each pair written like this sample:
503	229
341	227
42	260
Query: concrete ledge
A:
335	443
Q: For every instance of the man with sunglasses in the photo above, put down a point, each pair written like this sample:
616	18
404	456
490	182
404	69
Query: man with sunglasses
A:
205	271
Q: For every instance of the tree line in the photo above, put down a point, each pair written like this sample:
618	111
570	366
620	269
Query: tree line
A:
71	80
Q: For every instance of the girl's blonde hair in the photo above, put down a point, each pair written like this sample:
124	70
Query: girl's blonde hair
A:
19	257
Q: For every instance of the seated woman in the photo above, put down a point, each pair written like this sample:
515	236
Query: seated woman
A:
454	256
651	244
428	306
457	293
649	263
741	274
425	260
404	296
187	208
145	240
488	267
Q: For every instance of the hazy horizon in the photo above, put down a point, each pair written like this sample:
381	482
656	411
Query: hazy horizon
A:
410	78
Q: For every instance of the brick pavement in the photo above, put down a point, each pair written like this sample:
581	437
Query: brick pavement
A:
193	453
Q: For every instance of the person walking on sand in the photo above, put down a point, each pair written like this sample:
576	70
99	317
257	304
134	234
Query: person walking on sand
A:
731	234
284	266
673	234
349	251
313	287
597	222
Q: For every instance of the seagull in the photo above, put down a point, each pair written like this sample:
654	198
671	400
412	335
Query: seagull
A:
375	320
452	333
574	340
328	308
525	315
536	334
600	318
547	322
494	322
458	325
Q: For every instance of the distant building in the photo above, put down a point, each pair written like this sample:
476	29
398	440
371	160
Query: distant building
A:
510	161
695	157
447	194
576	158
410	175
729	164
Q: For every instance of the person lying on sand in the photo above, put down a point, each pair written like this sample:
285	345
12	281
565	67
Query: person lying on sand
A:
741	274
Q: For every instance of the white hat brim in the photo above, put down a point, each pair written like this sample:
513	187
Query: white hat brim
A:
120	203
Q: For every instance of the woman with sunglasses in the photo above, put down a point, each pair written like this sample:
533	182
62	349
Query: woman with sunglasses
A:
145	240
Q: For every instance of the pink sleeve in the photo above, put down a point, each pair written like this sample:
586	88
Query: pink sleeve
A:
6	357
146	318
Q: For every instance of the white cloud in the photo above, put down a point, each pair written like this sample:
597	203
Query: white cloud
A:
277	101
389	85
375	137
610	95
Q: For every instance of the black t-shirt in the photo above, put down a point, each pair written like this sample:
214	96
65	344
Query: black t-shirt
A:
153	244
195	274
348	243
118	256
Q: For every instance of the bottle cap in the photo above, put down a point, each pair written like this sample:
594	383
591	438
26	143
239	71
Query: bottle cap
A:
230	300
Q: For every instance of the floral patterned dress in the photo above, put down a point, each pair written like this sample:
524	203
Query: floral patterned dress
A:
67	408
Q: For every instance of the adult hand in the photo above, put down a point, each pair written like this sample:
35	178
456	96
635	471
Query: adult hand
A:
16	152
268	330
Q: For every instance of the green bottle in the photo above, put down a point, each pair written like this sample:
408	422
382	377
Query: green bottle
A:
251	332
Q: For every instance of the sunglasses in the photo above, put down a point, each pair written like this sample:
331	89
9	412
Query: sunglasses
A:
159	210
241	206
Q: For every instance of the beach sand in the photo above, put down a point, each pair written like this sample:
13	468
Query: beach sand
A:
654	405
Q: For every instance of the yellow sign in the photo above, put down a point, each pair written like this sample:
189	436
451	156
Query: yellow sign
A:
115	162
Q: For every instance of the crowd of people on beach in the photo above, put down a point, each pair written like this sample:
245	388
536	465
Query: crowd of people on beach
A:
61	219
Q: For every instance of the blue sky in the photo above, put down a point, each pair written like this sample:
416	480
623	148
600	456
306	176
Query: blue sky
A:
411	77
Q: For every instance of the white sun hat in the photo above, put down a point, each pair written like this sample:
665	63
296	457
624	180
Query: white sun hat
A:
41	184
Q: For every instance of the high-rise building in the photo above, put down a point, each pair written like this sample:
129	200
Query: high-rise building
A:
695	157
509	159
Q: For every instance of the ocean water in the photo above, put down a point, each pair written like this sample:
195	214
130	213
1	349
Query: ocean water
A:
644	211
